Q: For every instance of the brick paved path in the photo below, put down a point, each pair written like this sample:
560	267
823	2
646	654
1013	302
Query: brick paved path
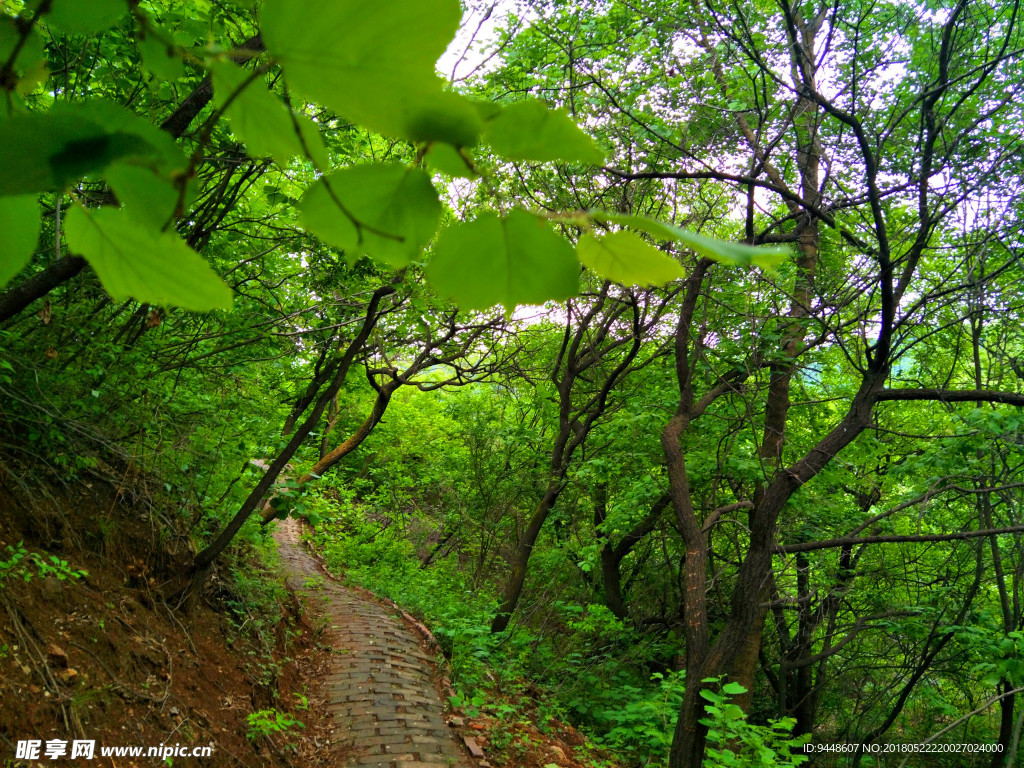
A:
379	687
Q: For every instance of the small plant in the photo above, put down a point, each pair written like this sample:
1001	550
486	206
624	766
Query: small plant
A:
313	582
469	704
13	565
17	565
269	721
646	718
767	746
54	566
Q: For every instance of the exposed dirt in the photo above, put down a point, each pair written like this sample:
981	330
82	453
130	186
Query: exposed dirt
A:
521	744
103	657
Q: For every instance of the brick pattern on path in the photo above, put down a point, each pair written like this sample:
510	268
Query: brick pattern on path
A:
379	687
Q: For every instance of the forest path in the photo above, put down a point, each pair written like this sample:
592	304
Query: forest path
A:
379	686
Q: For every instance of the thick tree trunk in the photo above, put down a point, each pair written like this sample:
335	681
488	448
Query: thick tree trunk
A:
14	300
521	558
612	580
1006	724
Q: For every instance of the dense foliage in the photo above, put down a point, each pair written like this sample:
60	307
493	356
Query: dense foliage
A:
698	423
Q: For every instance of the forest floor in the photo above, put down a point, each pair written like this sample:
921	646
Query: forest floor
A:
381	684
91	652
100	657
387	695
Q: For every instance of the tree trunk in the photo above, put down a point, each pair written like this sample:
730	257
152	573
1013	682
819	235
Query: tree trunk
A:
207	556
14	300
354	441
521	558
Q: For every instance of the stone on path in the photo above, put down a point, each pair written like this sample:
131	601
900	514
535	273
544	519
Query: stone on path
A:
379	688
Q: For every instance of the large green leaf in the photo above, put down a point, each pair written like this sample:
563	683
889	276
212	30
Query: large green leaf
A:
85	17
135	262
373	63
148	198
510	261
528	130
623	257
42	151
30	56
387	211
261	120
445	159
158	57
20	225
735	254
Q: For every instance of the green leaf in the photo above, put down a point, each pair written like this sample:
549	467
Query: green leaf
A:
767	258
159	58
387	211
373	63
42	151
445	159
733	689
623	257
261	120
135	262
147	197
528	130
490	260
85	17
31	56
20	224
312	142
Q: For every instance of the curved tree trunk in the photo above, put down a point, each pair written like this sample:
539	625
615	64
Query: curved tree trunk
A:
207	556
354	441
516	580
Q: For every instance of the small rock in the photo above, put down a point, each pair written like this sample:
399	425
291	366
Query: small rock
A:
57	655
456	722
473	747
51	588
68	675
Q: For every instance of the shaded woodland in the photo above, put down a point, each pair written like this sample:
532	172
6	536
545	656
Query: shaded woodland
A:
665	358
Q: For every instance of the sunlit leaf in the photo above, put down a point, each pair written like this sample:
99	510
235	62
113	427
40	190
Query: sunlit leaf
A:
528	130
510	261
623	257
261	120
373	63
20	224
766	257
41	151
85	17
147	197
158	58
387	211
31	54
447	160
135	262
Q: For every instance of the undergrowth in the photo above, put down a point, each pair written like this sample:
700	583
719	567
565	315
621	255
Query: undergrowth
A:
595	671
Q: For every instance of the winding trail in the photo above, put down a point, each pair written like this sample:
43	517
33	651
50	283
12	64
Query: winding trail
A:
379	687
